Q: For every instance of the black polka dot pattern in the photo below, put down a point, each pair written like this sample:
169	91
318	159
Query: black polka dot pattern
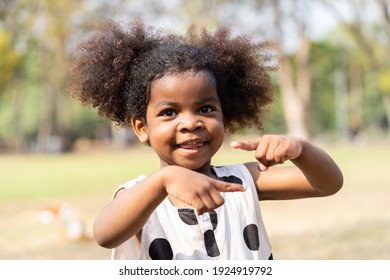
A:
214	219
250	232
251	237
211	244
231	179
160	249
188	216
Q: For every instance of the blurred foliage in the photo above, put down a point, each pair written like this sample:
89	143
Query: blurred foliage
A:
37	38
9	59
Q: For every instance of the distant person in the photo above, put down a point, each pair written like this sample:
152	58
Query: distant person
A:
181	94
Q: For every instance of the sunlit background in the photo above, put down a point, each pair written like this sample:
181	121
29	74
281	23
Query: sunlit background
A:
59	162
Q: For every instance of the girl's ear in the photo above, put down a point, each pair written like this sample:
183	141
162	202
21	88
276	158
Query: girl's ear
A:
140	129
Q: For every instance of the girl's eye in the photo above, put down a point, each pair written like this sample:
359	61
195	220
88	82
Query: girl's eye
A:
168	113
206	109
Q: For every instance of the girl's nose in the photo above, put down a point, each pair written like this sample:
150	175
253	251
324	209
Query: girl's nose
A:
190	124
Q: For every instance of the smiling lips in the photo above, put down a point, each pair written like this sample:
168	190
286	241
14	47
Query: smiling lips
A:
191	145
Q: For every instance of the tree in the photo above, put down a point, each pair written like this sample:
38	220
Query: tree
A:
52	43
370	58
295	79
11	65
43	28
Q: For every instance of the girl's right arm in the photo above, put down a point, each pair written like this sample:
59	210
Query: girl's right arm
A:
126	214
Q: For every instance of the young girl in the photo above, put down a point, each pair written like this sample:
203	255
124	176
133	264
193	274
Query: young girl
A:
181	94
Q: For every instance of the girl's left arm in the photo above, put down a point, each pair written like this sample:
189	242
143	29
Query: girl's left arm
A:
314	173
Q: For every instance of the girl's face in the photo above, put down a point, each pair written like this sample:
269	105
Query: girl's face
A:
184	121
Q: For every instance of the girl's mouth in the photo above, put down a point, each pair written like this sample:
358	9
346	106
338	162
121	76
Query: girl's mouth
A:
191	145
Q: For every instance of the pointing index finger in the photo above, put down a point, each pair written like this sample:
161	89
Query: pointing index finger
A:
223	186
249	145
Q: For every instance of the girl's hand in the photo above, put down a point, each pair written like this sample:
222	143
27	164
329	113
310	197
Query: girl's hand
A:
271	149
195	189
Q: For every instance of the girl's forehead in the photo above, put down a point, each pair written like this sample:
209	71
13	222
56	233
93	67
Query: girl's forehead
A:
187	75
189	85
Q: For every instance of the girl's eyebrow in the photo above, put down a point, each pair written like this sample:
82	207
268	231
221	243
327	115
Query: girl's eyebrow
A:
162	103
165	103
208	99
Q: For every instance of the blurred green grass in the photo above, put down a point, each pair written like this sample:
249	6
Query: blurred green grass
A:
95	173
69	175
82	174
353	224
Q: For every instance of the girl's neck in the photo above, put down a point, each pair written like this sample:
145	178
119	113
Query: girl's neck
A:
205	169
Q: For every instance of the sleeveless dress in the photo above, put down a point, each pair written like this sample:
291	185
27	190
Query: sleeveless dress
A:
233	231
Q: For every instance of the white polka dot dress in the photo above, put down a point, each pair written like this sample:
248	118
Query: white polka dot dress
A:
231	232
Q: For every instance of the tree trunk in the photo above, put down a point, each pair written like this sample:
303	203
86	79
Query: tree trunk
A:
296	96
20	144
294	111
47	138
119	137
356	103
341	104
386	100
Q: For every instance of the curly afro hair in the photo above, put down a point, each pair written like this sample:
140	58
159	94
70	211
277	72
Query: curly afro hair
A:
115	66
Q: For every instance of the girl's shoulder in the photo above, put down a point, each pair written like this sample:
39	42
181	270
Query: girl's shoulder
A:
129	184
132	182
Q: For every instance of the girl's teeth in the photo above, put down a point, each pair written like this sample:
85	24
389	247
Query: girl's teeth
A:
192	146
